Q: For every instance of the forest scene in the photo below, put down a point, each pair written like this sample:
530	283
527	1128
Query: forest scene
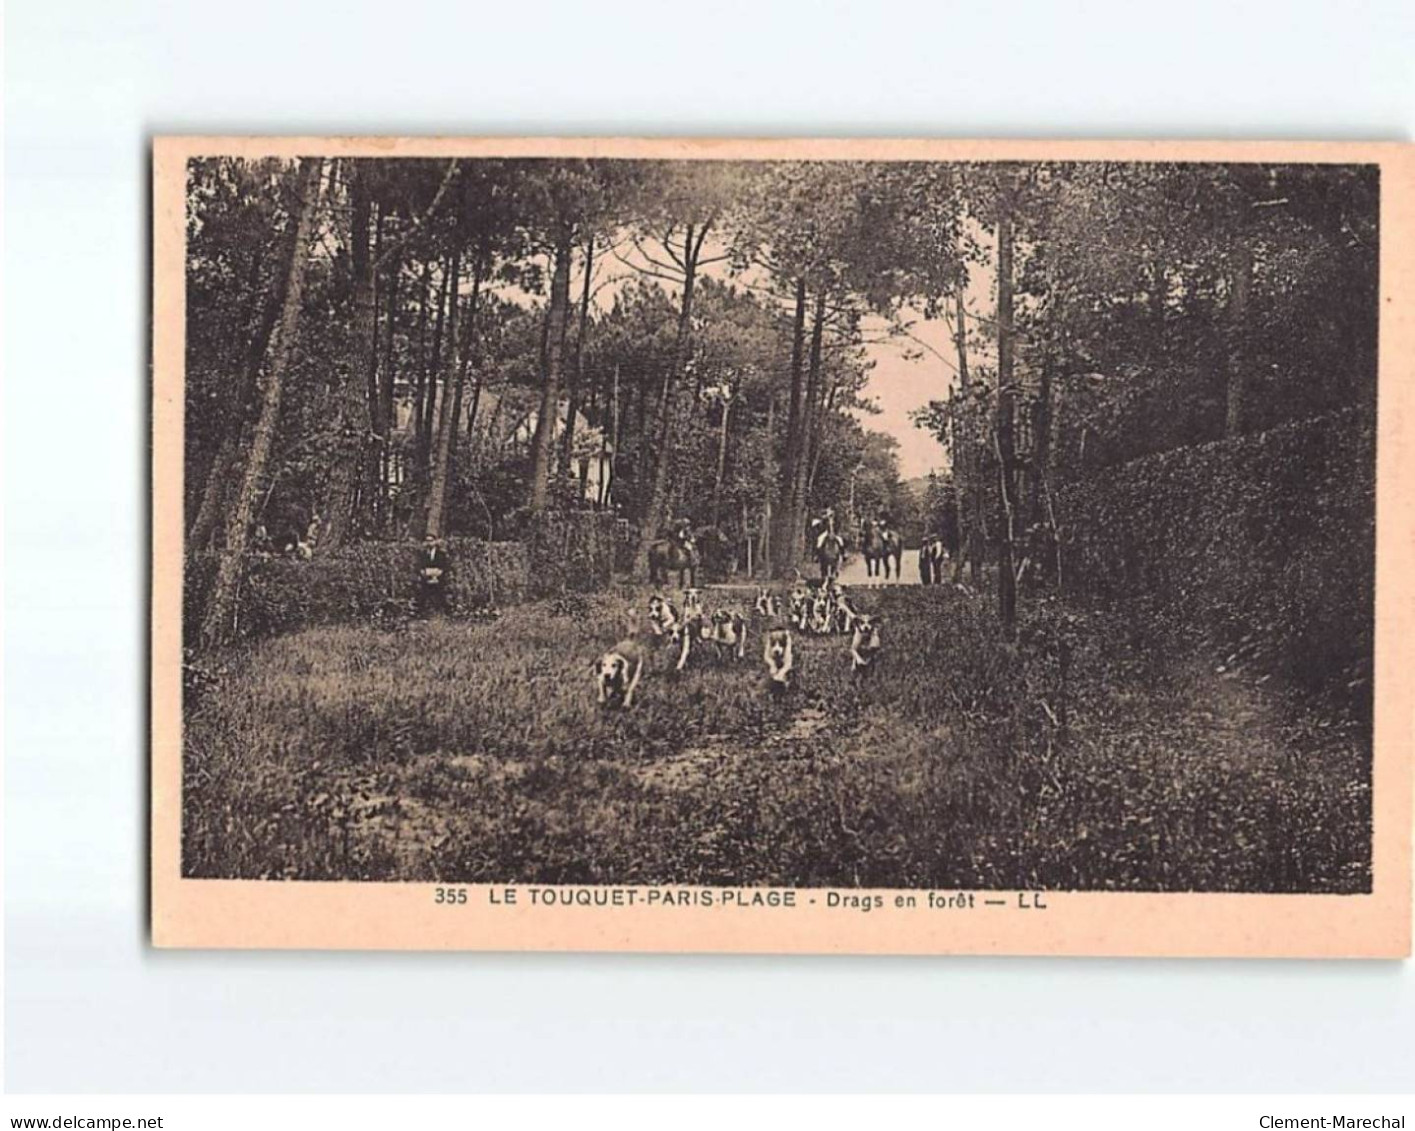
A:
812	523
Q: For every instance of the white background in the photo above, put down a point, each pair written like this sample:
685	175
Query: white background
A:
90	1007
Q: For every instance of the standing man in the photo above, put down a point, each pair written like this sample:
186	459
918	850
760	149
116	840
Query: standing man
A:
434	564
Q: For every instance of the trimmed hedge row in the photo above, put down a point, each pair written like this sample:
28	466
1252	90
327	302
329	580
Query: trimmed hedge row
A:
1263	546
377	581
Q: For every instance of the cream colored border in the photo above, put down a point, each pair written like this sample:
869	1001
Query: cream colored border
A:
229	913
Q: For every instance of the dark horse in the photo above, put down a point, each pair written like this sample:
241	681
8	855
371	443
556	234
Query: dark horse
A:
880	546
680	554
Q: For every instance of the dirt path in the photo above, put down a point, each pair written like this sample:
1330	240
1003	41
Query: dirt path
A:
856	574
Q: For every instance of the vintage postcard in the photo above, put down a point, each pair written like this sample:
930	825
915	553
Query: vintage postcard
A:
910	547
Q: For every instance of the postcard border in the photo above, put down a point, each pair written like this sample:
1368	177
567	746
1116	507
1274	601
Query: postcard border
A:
353	915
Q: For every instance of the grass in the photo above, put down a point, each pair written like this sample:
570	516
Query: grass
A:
476	753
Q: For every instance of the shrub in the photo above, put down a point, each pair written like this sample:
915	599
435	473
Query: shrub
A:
377	581
364	581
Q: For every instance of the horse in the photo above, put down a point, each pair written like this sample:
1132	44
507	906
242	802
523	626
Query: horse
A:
830	552
879	545
677	554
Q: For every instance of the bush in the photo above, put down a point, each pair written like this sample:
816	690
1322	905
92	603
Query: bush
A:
377	581
365	581
1262	547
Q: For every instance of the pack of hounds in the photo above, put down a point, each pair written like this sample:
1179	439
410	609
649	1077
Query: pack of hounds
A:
689	634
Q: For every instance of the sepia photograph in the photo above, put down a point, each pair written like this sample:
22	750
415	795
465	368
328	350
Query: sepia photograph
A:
792	524
851	562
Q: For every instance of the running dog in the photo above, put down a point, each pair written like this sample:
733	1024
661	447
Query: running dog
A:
617	675
865	645
692	628
693	605
663	617
845	614
729	633
776	655
799	604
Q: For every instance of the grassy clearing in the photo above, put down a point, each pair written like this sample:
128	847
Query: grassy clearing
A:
475	753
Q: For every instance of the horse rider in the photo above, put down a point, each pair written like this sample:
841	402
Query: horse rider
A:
683	533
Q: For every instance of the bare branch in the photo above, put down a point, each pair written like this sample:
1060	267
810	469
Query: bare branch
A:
667	241
647	257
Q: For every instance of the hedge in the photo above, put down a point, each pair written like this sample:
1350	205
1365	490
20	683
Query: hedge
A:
377	581
1262	546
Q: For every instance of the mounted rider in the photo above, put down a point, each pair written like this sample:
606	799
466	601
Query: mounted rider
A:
681	531
822	527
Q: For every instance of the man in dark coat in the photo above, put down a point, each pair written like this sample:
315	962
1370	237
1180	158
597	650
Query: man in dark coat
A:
434	565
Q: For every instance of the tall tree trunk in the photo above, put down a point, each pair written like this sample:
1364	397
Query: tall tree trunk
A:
1006	398
1042	533
658	495
213	496
352	412
425	428
555	320
452	405
764	554
827	406
577	372
809	407
640	464
786	537
218	482
614	439
217	621
1240	284
482	264
721	462
420	373
371	484
968	491
961	446
385	395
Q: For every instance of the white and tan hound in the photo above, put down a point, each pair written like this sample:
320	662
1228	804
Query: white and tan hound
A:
865	646
777	656
663	617
729	633
617	674
768	604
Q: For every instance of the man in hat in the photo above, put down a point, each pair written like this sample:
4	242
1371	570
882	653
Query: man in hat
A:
434	563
